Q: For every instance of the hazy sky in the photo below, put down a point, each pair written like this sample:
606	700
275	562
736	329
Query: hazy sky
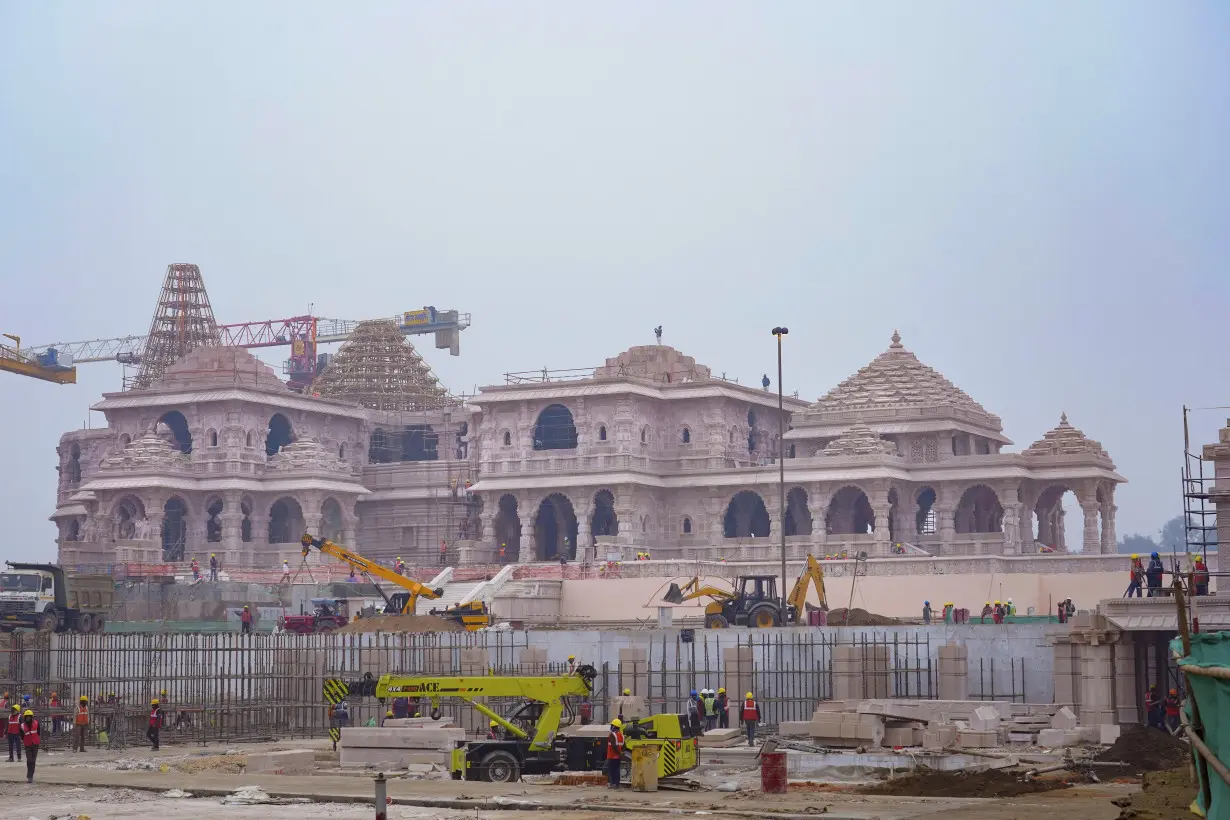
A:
1034	193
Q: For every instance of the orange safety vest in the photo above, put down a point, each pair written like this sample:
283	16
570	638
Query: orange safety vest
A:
614	745
83	716
750	710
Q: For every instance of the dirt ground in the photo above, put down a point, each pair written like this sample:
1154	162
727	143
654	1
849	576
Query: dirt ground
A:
1147	750
1164	795
991	783
858	617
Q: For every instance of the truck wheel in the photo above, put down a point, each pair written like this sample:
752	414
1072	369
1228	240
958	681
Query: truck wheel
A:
764	616
500	767
48	621
716	622
85	623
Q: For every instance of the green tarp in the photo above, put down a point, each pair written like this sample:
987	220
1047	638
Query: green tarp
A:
1213	695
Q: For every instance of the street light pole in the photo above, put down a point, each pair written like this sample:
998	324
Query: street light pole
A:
779	332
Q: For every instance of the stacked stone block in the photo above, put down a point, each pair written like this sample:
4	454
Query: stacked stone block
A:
953	672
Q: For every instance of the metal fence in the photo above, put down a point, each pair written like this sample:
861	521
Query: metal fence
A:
222	688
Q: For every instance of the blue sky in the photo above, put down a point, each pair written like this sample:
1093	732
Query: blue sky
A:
1033	193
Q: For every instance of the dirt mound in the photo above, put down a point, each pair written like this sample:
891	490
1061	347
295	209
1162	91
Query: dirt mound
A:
858	617
1163	796
1147	750
400	623
991	783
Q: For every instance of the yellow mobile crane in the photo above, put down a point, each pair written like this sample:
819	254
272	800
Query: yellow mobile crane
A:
472	616
753	601
535	737
50	365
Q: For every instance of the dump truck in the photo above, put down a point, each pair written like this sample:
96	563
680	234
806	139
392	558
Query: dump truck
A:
46	598
536	735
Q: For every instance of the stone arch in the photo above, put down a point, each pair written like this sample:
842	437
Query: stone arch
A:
506	438
126	512
1051	515
176	425
746	516
685	435
555	429
72	530
279	434
604	521
979	511
850	512
247	441
341	451
507	527
125	440
645	434
602	434
332	522
685	526
926	522
246	506
555	528
211	436
285	521
174	528
798	516
213	520
72	470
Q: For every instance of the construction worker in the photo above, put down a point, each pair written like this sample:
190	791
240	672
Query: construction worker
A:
927	613
1063	611
352	578
443	553
388	715
245	621
502	553
53	707
710	710
693	712
997	613
31	737
987	610
1153	575
1153	707
749	715
1171	706
399	567
213	567
614	753
572	664
722	705
493	731
1200	577
81	723
401	707
285	572
155	723
1136	577
341	717
13	731
196	571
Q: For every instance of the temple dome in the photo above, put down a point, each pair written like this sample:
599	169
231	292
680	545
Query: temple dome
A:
859	440
378	368
1066	440
150	450
658	363
897	379
211	367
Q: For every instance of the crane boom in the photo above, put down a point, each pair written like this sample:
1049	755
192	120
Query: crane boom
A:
52	365
413	587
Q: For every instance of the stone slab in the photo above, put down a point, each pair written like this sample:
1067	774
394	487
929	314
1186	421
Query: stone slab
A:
984	719
1057	738
896	711
899	736
593	730
722	738
391	758
1089	734
1064	719
297	761
1108	733
939	737
795	728
362	737
418	723
972	739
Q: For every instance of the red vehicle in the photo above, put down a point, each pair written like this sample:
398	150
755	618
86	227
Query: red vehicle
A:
327	617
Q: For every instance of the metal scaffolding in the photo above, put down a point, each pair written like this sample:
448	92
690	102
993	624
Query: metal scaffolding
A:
183	320
378	368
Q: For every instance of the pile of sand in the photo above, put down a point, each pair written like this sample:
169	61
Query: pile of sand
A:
858	617
990	783
400	623
1147	750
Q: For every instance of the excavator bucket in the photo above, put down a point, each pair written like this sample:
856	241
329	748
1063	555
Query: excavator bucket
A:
674	595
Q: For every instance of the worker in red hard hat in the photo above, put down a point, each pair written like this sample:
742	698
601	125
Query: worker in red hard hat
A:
1171	706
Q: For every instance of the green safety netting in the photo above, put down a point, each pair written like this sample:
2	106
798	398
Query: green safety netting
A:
1211	649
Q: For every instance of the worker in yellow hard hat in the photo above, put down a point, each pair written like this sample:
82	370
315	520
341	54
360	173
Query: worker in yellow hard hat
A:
493	731
572	664
614	753
81	723
155	723
31	738
986	611
1136	577
749	716
721	704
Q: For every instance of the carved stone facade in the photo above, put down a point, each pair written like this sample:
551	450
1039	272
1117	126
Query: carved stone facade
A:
650	451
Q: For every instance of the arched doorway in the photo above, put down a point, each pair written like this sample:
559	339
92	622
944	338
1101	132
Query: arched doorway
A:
925	520
73	468
604	522
555	429
245	527
850	513
979	511
174	529
175	425
128	511
507	526
746	516
285	521
1054	504
213	521
555	529
279	435
798	516
331	521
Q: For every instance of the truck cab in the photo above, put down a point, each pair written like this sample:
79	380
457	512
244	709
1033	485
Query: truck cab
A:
25	594
41	596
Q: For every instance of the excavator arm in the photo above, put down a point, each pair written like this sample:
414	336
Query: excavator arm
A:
813	574
413	587
550	691
693	590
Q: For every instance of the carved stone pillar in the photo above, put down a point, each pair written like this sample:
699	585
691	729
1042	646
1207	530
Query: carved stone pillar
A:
259	546
1090	541
881	509
945	523
311	523
1012	528
527	545
155	518
1108	528
585	542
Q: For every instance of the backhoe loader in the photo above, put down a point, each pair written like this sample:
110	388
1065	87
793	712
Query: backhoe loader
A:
753	601
536	738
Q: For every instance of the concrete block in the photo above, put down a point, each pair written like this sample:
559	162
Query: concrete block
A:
722	738
391	758
441	740
1089	734
593	730
1108	733
1056	738
826	724
418	723
795	728
298	761
939	736
893	710
971	739
984	719
1064	719
899	736
630	706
